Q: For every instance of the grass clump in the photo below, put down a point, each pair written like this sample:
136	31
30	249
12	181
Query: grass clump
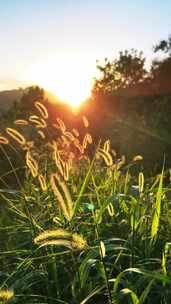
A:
81	229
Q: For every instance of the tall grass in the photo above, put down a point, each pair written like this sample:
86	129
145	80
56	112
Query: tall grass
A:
81	229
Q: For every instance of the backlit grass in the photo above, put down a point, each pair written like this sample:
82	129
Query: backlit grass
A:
81	228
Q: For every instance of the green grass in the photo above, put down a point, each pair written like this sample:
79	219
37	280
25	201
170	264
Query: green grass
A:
99	235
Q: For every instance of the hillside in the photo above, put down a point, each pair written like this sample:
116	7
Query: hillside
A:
8	97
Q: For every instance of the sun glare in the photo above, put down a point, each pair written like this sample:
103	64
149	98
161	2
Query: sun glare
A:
67	77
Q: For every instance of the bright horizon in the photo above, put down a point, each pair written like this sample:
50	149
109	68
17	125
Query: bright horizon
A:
56	43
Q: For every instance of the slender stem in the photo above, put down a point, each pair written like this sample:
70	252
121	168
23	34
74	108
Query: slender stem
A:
104	266
11	164
106	277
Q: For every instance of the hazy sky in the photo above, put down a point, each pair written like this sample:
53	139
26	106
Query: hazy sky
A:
32	32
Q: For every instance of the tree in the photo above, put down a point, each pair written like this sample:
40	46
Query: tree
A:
124	72
164	46
32	94
161	68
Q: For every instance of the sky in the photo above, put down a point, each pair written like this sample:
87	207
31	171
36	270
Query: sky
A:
54	40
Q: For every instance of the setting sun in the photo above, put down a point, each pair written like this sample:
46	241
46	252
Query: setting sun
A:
68	77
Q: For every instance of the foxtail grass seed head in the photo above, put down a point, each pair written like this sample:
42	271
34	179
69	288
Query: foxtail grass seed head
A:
6	295
137	158
56	220
54	179
42	109
66	171
39	122
16	136
61	125
102	249
4	140
56	155
59	242
121	162
141	182
51	234
84	143
22	122
85	121
106	146
76	133
41	133
66	192
34	118
61	237
78	145
58	162
88	138
64	140
106	156
69	135
32	168
110	209
79	242
32	164
42	182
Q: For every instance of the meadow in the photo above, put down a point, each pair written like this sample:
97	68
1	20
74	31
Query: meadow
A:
80	227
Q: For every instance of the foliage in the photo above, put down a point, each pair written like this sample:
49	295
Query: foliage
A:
81	230
135	103
163	45
124	72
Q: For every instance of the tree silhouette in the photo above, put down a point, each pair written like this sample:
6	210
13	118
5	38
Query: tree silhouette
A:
124	72
164	46
31	95
161	68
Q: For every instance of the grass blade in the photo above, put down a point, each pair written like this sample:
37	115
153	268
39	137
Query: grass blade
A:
157	207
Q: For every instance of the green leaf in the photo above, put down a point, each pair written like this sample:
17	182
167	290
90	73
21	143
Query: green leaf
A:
157	209
86	180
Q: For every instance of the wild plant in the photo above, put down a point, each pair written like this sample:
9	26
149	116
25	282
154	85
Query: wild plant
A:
81	228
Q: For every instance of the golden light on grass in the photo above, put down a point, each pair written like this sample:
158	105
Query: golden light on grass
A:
16	136
61	237
106	156
3	140
64	201
42	182
6	295
58	233
110	209
42	109
22	122
141	182
102	249
32	164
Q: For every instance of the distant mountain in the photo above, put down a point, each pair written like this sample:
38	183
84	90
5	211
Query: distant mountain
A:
11	90
8	97
7	84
